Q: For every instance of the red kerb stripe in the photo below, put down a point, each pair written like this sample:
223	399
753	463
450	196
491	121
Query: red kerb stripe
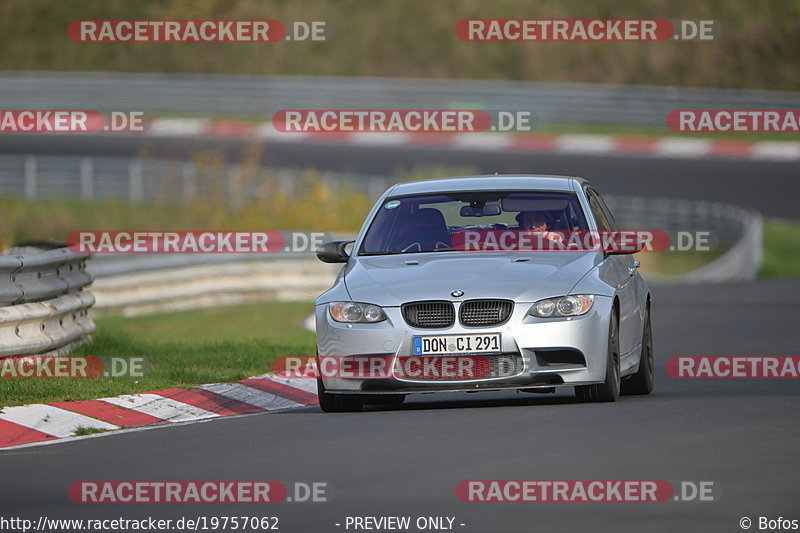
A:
210	401
284	391
12	434
108	412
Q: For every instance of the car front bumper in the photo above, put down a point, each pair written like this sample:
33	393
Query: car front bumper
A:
540	343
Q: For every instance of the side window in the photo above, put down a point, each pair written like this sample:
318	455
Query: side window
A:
600	211
606	210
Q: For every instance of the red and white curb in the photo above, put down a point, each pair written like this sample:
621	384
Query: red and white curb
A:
42	422
675	147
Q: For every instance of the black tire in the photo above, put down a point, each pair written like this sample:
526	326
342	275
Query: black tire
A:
642	381
337	403
608	391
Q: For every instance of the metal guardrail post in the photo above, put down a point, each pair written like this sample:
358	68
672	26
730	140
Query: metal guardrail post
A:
135	181
233	187
87	178
30	177
189	182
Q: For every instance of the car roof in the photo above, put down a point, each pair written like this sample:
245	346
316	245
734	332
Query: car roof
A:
490	182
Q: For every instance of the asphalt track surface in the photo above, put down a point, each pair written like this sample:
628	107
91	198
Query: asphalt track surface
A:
742	434
771	187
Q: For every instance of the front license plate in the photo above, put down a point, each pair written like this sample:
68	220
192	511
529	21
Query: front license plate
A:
450	344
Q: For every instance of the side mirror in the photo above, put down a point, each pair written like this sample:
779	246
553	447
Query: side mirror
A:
334	252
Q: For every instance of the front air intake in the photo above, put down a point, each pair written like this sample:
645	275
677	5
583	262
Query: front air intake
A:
482	313
432	314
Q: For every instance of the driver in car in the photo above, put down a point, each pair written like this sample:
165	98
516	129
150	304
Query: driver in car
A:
536	221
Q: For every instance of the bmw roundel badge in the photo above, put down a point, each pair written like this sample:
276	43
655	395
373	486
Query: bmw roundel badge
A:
457	293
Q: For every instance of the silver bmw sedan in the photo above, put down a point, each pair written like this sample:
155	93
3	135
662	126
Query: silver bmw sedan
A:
484	283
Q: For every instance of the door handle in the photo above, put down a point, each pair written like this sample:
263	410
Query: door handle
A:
632	270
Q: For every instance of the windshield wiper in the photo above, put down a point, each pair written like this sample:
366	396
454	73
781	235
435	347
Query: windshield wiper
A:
399	252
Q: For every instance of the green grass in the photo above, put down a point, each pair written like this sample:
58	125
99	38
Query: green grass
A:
278	322
183	350
781	249
673	263
82	430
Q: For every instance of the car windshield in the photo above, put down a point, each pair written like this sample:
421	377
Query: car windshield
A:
432	223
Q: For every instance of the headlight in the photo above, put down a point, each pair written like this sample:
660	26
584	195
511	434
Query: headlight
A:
563	306
355	312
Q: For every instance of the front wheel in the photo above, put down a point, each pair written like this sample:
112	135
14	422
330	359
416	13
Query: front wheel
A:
642	381
608	391
336	403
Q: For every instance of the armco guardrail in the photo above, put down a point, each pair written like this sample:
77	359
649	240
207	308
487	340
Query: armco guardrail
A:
43	307
734	229
149	180
195	286
555	103
741	262
139	284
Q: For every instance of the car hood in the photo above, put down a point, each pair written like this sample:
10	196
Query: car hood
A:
390	280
